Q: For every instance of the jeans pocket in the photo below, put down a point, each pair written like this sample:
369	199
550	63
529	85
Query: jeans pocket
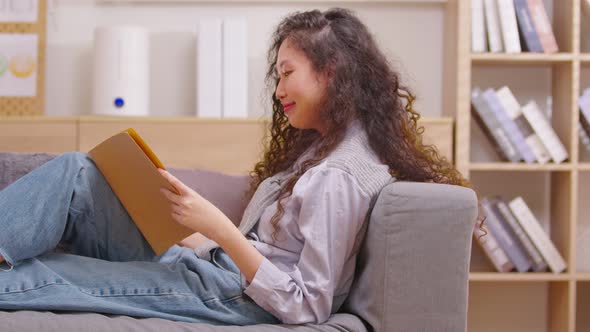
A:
10	267
222	261
216	260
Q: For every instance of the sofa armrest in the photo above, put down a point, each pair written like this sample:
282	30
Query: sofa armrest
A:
413	266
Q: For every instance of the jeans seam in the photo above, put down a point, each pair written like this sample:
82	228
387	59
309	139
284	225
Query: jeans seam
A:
226	300
91	213
210	300
87	292
33	288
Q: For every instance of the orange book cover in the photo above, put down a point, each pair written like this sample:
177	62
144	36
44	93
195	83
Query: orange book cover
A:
131	168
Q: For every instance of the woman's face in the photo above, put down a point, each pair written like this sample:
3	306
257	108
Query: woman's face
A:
300	88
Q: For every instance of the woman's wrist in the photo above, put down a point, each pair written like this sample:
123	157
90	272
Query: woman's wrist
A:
241	251
224	232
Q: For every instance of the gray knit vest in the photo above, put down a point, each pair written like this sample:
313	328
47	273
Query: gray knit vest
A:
353	155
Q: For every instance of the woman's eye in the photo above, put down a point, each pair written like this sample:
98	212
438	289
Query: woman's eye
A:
287	73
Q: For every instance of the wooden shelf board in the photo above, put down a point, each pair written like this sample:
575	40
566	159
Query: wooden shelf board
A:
585	58
514	276
36	118
584	166
506	166
150	119
521	58
582	276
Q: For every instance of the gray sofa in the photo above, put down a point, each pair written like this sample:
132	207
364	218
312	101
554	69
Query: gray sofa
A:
412	271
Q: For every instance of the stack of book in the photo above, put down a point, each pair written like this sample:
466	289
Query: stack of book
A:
511	26
584	130
518	133
514	240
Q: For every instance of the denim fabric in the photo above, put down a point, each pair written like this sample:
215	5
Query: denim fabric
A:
107	266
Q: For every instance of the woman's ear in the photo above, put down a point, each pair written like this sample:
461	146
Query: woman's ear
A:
327	75
330	72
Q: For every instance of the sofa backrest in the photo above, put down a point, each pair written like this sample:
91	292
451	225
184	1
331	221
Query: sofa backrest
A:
224	191
413	266
14	165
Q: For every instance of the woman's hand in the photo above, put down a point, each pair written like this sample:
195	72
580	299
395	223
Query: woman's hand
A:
193	211
197	213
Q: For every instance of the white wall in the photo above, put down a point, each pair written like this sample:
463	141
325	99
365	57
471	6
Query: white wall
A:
410	34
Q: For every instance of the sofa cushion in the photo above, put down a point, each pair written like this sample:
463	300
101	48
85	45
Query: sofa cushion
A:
64	322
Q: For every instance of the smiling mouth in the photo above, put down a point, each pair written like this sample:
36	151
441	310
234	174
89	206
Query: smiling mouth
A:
288	107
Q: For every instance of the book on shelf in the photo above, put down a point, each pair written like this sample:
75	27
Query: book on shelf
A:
584	129
542	26
528	34
583	248
492	128
514	134
584	105
131	168
478	27
535	232
508	25
501	207
507	241
584	138
513	109
489	244
511	26
546	133
492	21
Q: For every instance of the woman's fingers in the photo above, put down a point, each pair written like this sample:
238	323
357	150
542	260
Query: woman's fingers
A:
176	183
172	197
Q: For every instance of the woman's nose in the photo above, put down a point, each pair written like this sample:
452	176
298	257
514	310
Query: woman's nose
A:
280	91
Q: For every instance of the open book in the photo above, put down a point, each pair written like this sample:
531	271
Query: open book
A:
131	169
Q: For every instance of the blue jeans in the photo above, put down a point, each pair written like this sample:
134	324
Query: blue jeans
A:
106	265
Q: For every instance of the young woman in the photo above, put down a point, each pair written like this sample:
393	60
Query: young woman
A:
342	127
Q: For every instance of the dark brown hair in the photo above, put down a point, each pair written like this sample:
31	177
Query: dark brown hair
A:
362	86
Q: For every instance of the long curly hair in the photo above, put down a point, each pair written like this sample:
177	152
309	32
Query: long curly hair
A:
362	86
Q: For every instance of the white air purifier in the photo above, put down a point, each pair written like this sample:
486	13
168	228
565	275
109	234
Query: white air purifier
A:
121	71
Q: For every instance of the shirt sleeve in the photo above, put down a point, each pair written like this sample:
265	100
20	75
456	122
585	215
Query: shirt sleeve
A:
332	210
